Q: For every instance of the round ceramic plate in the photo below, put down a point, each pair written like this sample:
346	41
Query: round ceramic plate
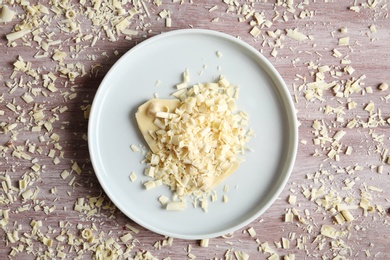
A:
162	59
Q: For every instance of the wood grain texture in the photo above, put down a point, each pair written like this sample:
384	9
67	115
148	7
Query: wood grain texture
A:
297	61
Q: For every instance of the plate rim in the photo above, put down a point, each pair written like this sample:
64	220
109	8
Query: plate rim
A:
289	112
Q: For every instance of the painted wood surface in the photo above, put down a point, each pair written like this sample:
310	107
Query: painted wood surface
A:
323	186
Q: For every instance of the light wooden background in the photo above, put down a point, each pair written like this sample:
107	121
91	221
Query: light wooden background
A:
366	237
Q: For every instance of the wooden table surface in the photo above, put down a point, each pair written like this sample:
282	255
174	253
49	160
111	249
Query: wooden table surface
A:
335	65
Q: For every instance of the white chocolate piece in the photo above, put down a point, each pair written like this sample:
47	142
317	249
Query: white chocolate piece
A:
176	205
145	118
204	242
6	14
296	35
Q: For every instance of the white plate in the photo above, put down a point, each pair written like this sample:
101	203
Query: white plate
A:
132	81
